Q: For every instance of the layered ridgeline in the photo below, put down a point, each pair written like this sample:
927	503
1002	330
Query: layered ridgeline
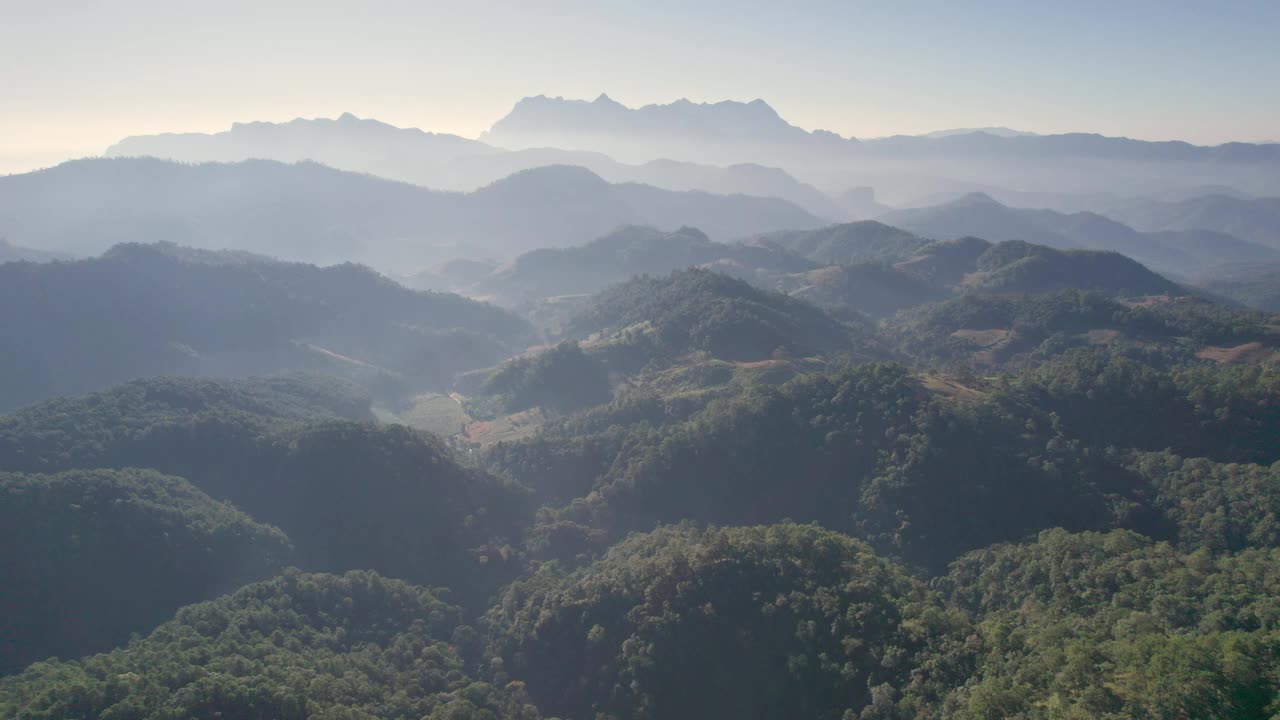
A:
1154	600
690	326
865	266
1179	250
350	495
877	269
609	260
313	213
143	310
902	167
449	162
965	303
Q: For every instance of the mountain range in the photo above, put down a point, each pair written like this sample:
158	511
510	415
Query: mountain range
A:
733	132
450	162
313	213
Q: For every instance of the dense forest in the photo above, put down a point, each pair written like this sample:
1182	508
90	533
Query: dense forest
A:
851	473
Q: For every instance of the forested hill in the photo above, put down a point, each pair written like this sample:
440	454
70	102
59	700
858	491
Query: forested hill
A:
892	271
848	243
80	545
144	310
863	475
693	309
970	532
301	645
84	430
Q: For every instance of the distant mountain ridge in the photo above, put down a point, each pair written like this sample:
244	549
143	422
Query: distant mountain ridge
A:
731	132
1253	219
309	212
450	162
979	215
997	131
361	139
754	119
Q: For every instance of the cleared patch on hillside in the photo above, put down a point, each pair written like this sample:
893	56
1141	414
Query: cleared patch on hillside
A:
989	343
1146	300
440	415
1099	336
1254	352
516	426
984	338
951	388
976	277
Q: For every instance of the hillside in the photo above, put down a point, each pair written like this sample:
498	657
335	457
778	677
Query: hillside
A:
101	429
697	310
80	546
1019	267
353	645
1181	251
989	330
876	289
907	272
640	627
313	213
349	495
848	243
143	310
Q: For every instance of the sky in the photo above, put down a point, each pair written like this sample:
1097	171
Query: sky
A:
75	76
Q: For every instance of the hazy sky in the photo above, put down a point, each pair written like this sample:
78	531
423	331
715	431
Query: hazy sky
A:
76	76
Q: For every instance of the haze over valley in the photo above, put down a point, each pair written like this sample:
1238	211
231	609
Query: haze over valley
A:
504	397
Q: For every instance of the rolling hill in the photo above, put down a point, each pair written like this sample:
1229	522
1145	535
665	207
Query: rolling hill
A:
884	269
691	310
848	243
79	544
622	254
